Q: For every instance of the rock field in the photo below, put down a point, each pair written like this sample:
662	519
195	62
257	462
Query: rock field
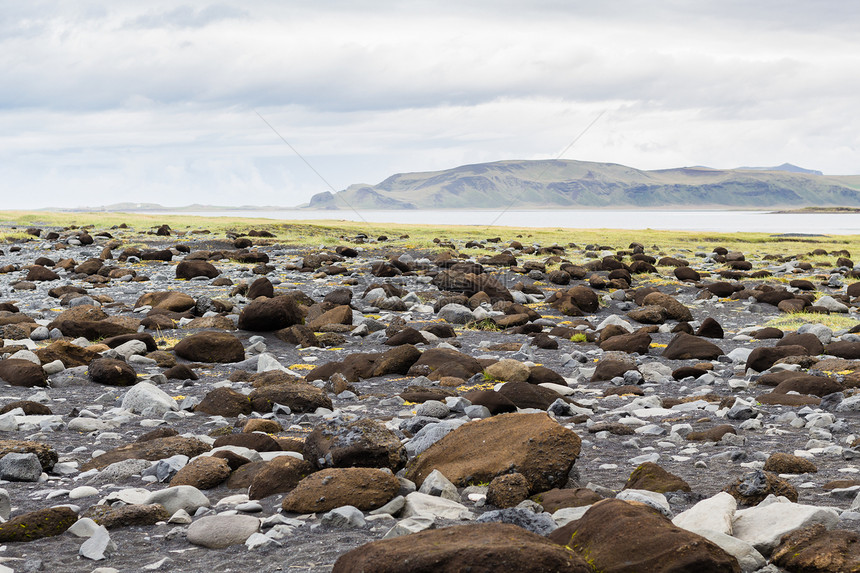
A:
186	402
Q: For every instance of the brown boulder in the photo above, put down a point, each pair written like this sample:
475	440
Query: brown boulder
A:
250	440
710	328
188	269
171	300
299	397
807	340
40	273
364	488
525	395
609	368
111	372
268	314
204	472
261	287
844	349
437	363
652	477
363	443
812	385
508	490
20	372
687	346
616	536
534	445
714	434
496	403
764	357
126	515
556	498
674	309
816	550
210	347
151	450
635	342
398	360
338	315
781	463
652	314
280	475
224	402
477	548
38	524
69	354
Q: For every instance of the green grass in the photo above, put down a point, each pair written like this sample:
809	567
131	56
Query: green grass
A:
332	233
795	320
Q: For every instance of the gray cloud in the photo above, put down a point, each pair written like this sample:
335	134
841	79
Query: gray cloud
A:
106	98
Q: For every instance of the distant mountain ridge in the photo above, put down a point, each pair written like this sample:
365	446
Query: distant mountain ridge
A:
571	184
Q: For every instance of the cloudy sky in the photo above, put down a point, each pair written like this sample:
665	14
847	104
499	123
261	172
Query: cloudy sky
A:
102	102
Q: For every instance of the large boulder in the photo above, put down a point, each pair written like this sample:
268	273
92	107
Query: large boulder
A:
815	549
437	363
269	314
534	445
189	269
687	346
674	309
111	372
280	475
477	548
37	524
651	477
20	372
764	357
210	347
152	450
364	488
224	402
623	537
171	300
299	397
361	443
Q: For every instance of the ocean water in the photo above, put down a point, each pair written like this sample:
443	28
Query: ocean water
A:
682	220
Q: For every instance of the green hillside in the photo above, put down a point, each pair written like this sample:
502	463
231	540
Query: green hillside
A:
567	183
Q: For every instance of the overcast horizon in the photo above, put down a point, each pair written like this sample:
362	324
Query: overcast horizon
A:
158	102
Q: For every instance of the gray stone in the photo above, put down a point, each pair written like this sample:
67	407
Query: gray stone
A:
420	503
185	497
440	486
20	467
540	523
432	409
5	505
412	524
219	531
456	314
713	514
656	500
98	545
145	396
748	557
763	525
344	516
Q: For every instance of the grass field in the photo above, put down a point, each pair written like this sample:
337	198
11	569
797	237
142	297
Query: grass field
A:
331	233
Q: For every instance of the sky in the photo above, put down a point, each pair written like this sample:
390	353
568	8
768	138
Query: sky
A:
171	103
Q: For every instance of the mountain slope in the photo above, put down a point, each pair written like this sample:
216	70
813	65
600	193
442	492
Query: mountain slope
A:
567	183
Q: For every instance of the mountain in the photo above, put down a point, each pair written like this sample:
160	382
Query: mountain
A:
570	184
784	167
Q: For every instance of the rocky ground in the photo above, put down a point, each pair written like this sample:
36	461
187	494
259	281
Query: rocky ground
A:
189	403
